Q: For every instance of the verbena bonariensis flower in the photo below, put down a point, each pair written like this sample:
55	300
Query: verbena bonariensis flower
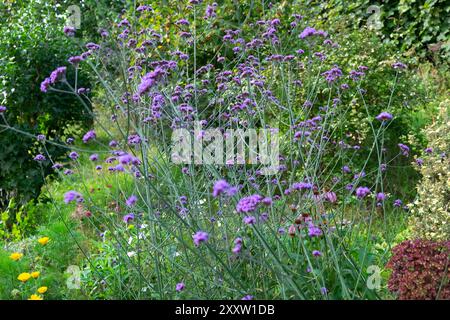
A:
134	139
90	135
75	60
399	66
384	116
309	32
131	201
330	196
381	196
92	46
248	204
220	187
210	11
362	192
143	8
249	220
200	237
180	287
73	155
316	253
398	203
58	74
128	217
299	186
333	74
2	109
314	231
73	196
57	166
404	149
39	158
69	31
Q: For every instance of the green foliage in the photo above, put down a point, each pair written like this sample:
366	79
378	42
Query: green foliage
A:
27	57
431	210
420	27
18	221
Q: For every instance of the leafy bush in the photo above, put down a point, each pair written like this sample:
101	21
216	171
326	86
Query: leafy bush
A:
17	221
431	210
27	55
416	26
420	270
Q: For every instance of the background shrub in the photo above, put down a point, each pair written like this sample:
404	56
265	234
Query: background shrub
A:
27	55
420	27
431	210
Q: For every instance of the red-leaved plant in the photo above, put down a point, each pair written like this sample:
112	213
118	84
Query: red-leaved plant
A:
420	270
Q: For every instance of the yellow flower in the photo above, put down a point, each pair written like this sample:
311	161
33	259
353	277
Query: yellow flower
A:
42	290
16	256
24	277
35	274
35	297
44	240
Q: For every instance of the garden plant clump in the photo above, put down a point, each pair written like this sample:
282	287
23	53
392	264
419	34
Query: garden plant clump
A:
286	188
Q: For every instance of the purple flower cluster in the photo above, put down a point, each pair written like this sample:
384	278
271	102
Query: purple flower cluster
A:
128	218
39	158
57	75
90	135
69	31
237	246
309	32
404	149
384	116
131	201
362	192
180	287
72	196
250	220
248	204
222	187
200	237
